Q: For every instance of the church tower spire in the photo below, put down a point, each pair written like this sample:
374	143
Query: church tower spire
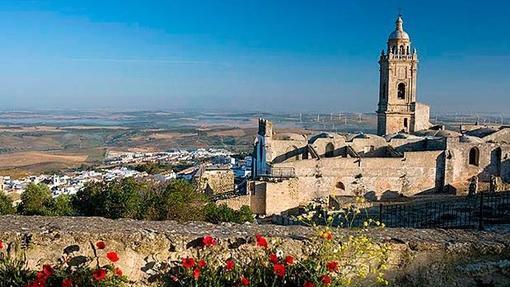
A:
397	90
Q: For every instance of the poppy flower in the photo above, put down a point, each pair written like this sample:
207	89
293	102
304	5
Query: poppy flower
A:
261	241
112	256
47	270
188	262
308	284
202	263
99	274
1	244
273	258
196	274
100	245
332	266
245	281
289	260
328	235
230	265
67	282
279	270
208	241
326	280
118	272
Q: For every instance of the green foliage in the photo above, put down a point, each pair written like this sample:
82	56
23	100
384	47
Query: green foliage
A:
128	198
153	168
6	206
181	201
14	269
222	213
35	200
72	270
115	199
62	206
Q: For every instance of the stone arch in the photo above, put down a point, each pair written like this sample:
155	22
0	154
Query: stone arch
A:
474	156
401	91
329	150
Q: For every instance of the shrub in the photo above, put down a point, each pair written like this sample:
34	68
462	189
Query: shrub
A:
181	201
222	213
6	205
35	200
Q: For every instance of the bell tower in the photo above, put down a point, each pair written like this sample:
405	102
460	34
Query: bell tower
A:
397	85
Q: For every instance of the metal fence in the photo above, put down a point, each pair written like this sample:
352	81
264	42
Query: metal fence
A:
474	211
461	212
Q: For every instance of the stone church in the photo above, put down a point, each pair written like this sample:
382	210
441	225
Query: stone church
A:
408	156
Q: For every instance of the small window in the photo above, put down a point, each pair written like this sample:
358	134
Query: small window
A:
401	91
474	156
406	125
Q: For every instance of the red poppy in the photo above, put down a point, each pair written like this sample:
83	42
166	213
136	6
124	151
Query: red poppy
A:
112	256
332	266
41	276
202	263
208	241
67	282
118	272
308	284
279	270
230	265
328	235
326	280
100	245
245	281
47	270
273	258
289	260
261	241
1	245
188	262
99	274
196	273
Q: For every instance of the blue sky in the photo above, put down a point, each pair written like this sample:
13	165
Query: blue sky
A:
265	55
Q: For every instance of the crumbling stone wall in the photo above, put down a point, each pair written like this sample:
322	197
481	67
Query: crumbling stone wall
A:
417	257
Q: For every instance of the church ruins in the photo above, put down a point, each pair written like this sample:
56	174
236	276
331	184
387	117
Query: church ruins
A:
409	156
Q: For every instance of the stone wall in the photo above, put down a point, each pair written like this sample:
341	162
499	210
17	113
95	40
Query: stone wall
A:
417	257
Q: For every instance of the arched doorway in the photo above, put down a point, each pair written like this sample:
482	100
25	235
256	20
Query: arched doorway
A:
474	156
496	161
330	150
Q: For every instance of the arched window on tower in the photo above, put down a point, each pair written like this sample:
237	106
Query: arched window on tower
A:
401	92
330	150
408	50
401	50
394	49
474	156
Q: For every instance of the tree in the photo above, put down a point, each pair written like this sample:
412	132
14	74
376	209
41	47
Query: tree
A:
35	200
116	199
6	206
181	201
222	213
61	206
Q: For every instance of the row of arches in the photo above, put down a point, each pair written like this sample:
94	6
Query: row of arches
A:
474	158
401	50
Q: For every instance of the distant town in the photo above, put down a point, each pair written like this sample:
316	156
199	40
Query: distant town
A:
198	164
